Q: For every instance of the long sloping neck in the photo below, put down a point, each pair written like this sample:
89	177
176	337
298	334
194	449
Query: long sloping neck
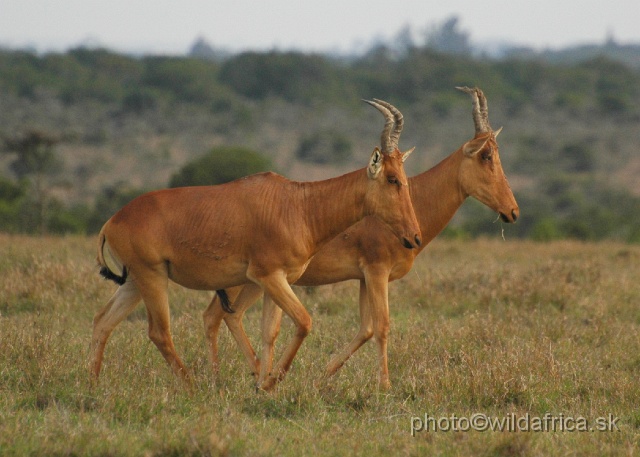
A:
436	195
334	204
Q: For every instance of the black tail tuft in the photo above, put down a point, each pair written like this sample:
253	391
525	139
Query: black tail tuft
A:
224	301
108	274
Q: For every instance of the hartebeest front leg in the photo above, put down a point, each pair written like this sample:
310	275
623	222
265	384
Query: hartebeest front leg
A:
271	320
248	296
278	288
377	280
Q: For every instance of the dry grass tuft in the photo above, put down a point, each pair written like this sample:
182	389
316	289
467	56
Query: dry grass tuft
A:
505	329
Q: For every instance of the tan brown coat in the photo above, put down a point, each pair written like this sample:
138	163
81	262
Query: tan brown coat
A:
262	229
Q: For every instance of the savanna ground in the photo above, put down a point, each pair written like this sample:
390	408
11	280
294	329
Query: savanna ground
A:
506	329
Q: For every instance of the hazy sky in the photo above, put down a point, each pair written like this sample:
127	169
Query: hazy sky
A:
171	26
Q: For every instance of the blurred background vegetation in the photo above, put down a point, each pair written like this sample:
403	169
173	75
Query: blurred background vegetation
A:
83	132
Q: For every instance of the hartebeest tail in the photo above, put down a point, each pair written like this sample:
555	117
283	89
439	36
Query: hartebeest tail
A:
110	267
260	230
367	251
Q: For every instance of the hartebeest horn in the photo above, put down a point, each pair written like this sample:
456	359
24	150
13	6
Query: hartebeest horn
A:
385	138
480	109
399	119
393	116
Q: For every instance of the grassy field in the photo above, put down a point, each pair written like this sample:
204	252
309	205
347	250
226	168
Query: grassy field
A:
510	330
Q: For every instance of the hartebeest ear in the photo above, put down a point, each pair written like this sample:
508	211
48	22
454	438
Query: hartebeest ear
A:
406	154
375	164
472	147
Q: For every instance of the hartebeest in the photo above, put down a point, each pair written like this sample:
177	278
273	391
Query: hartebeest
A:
262	229
367	251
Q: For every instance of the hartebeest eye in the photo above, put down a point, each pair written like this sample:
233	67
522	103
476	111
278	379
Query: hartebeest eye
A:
486	156
392	180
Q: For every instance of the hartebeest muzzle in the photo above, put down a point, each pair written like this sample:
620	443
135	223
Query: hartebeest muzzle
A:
512	218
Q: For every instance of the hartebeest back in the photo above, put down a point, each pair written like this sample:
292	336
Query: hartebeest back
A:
367	251
262	229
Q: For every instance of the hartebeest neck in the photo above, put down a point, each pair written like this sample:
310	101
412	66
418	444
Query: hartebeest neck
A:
334	204
436	195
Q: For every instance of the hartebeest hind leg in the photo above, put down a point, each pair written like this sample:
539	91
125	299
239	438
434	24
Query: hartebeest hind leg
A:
116	310
364	334
153	288
214	315
212	318
374	321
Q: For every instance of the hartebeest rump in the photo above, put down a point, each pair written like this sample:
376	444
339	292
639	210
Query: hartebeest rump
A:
262	229
368	252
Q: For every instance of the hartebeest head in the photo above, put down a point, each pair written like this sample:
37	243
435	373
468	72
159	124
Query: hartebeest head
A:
389	189
481	174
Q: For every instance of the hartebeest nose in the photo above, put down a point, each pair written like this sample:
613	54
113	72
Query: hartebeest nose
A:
513	218
409	245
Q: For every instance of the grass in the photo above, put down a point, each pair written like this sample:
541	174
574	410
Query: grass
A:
506	329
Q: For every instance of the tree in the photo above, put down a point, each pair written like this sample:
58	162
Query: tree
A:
108	202
293	76
36	161
201	49
220	165
11	196
448	39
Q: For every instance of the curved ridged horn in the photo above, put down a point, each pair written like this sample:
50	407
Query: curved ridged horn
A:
395	135
385	139
480	109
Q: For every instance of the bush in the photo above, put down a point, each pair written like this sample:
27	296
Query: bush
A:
578	157
325	147
546	229
10	192
68	220
220	165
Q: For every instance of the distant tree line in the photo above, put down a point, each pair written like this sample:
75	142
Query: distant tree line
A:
571	198
597	86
